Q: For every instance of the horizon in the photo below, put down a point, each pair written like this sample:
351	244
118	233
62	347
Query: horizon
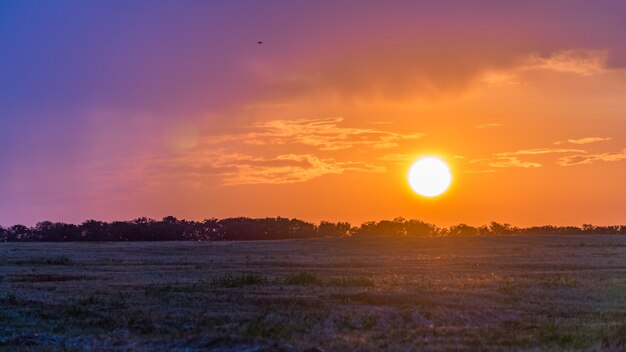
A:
315	223
317	111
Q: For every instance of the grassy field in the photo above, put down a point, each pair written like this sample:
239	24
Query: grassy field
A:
526	292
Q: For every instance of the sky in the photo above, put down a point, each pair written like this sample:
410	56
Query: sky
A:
113	110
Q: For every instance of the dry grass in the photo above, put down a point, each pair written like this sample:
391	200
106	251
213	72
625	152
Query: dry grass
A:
360	294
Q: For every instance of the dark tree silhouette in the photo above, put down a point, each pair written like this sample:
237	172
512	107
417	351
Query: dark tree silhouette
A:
333	229
19	233
502	229
462	230
240	229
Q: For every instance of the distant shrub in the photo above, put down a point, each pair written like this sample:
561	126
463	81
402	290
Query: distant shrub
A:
75	311
48	278
158	290
230	280
60	260
559	282
90	300
346	281
303	278
267	327
12	299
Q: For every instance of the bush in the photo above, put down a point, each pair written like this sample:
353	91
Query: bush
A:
303	278
230	280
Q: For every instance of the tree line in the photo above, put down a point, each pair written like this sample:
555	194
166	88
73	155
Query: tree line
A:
241	229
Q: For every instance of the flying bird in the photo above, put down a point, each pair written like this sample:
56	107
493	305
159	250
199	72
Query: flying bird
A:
259	42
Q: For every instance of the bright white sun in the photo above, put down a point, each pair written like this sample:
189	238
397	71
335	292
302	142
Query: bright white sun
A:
429	176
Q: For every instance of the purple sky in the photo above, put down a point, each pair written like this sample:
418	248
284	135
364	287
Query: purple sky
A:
88	88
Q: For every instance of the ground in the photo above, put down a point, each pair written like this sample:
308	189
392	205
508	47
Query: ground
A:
396	294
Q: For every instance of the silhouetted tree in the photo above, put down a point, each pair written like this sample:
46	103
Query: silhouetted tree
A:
209	230
462	230
19	233
420	228
241	228
92	230
333	229
396	227
483	230
48	231
502	229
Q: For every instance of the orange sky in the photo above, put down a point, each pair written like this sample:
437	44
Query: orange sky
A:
530	116
539	145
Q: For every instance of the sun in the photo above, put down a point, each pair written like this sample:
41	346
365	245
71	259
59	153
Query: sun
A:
429	176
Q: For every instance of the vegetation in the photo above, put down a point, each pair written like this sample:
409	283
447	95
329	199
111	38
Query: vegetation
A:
230	280
241	229
460	293
303	278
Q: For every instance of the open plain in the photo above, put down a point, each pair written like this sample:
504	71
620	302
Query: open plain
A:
354	294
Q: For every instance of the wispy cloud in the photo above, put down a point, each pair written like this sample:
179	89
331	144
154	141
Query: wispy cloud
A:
489	125
325	134
581	159
578	157
582	62
512	159
484	171
237	168
303	167
586	140
539	151
398	158
578	62
502	78
505	162
290	151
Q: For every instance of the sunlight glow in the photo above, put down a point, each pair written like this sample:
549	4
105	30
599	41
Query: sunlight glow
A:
429	176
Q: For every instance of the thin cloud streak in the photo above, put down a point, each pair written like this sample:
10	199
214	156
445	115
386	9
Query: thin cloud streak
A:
281	164
586	140
506	162
539	151
238	169
325	134
582	159
489	125
271	174
581	62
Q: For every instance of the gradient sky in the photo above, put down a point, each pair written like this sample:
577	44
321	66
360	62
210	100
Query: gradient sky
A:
121	109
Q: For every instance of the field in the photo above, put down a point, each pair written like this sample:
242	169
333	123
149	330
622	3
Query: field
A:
495	293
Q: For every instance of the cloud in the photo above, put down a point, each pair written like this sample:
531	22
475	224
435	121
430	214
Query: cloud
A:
381	72
398	158
539	151
581	159
503	162
324	134
391	73
484	171
281	157
267	172
586	140
489	125
501	78
237	168
581	62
